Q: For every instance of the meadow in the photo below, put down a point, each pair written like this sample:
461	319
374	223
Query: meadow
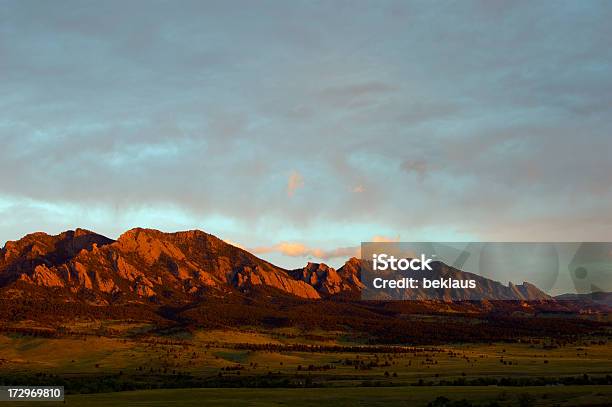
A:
132	364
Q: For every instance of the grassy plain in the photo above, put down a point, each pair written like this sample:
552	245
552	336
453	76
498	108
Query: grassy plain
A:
337	371
208	352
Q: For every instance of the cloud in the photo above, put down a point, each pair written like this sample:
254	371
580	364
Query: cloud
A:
285	248
295	181
418	167
294	249
339	252
205	108
385	239
356	95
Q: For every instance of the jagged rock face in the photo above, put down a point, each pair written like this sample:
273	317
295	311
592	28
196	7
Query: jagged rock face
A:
36	257
148	264
327	280
249	276
351	273
142	263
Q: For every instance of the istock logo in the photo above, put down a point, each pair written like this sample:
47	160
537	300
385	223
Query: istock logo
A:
382	262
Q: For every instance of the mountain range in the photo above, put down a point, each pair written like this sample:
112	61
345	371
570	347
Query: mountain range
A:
149	265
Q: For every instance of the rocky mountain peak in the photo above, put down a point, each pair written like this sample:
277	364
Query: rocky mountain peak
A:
147	264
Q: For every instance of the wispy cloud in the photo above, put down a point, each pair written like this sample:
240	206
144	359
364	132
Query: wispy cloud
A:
293	249
295	181
385	239
296	249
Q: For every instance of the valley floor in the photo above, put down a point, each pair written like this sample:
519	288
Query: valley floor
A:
132	364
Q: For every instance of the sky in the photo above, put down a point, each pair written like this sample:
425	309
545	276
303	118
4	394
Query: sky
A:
299	129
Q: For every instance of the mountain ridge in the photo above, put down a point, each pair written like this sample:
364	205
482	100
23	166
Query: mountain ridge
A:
150	265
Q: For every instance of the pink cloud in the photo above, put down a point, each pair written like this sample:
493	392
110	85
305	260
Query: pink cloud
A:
385	239
295	181
296	249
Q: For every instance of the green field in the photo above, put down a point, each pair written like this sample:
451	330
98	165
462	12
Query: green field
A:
208	353
270	367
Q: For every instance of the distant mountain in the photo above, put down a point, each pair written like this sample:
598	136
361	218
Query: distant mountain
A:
149	265
602	298
486	289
